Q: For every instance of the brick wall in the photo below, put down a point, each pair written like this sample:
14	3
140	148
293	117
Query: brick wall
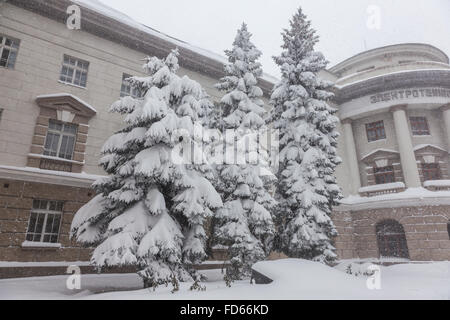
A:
425	230
344	243
16	198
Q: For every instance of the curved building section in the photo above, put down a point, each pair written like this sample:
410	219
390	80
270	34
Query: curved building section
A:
394	106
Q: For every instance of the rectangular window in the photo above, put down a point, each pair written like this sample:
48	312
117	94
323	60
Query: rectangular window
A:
74	71
60	140
431	171
45	221
375	131
8	51
127	90
1	113
384	175
419	126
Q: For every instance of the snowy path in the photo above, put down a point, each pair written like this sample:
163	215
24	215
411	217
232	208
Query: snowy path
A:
294	279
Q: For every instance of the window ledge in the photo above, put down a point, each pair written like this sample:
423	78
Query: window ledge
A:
437	185
72	85
379	140
40	245
35	155
380	189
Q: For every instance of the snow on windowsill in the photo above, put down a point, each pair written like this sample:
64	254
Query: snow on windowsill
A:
72	85
436	183
32	244
35	155
381	187
55	173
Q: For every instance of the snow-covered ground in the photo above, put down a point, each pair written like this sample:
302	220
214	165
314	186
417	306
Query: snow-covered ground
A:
293	279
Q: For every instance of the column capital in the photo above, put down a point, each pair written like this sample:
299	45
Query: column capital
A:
347	121
398	107
445	107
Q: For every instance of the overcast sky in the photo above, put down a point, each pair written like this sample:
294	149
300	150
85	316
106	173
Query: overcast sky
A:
341	24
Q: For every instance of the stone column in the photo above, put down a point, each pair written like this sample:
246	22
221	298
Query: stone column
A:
352	157
407	157
446	116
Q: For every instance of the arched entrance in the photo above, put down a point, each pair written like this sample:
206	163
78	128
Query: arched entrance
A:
391	239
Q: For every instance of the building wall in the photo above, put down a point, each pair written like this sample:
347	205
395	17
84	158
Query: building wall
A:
16	199
425	229
43	42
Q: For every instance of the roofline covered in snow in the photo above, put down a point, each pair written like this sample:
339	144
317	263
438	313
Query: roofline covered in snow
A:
101	25
431	51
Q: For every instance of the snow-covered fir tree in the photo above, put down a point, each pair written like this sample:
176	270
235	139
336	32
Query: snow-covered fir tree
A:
150	210
244	224
307	188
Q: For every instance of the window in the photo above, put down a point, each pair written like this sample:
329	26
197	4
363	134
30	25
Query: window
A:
375	131
74	71
60	140
391	239
384	175
1	113
8	51
45	220
127	90
419	126
431	171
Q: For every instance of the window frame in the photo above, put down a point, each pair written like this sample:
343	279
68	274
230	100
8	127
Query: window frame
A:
46	212
130	92
391	239
61	134
10	48
373	128
414	121
377	172
74	68
426	171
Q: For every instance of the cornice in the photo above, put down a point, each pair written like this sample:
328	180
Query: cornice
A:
400	80
121	33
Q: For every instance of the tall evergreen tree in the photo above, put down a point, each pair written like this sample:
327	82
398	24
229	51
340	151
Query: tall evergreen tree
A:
244	223
307	187
151	210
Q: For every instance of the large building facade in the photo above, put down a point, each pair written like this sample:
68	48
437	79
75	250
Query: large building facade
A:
394	107
57	84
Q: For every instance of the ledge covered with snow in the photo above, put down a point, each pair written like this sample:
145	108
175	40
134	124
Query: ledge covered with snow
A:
381	187
409	197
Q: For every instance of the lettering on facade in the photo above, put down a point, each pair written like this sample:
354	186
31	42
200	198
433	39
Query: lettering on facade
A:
409	94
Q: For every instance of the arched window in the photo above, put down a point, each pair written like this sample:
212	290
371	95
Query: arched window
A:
391	239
